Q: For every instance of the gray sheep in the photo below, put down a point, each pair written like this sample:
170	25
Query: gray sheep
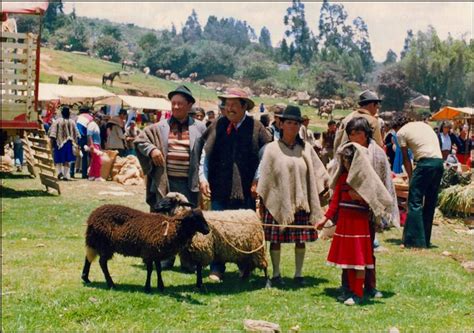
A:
236	236
152	237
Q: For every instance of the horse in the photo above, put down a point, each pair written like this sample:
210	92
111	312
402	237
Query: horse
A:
64	79
109	77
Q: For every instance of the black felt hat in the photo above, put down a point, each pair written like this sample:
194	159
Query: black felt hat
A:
183	90
292	112
367	97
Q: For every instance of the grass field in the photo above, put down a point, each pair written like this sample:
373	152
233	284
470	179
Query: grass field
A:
43	253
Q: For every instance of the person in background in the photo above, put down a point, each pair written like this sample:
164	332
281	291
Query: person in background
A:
305	133
369	104
198	113
131	133
262	108
291	178
328	143
230	159
82	121
18	151
447	139
116	133
93	141
275	126
424	180
390	145
63	133
465	145
211	115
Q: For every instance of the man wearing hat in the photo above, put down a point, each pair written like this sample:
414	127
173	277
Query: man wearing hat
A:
230	158
275	126
369	104
166	151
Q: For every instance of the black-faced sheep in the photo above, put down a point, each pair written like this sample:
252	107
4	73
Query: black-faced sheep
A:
153	237
236	236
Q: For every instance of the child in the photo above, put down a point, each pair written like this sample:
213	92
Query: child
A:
351	247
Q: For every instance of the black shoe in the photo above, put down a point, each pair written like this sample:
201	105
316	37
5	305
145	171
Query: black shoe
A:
277	281
60	176
299	280
345	293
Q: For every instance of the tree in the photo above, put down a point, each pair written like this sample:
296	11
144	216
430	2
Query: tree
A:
108	46
362	42
229	31
285	51
192	29
52	15
393	86
79	37
148	41
391	58
332	26
297	28
328	80
407	44
113	31
265	40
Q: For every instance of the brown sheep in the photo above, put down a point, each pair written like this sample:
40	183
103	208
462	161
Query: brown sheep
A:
130	232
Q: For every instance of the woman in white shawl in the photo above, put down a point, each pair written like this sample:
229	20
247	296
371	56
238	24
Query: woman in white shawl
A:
292	177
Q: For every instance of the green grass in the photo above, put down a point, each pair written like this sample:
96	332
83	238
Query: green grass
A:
43	253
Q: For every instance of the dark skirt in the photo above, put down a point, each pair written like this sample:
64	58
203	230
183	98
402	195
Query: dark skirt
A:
289	235
65	154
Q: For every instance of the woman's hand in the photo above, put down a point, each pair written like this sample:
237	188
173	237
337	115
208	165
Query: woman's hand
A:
320	224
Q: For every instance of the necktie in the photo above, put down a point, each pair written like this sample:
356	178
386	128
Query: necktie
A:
230	127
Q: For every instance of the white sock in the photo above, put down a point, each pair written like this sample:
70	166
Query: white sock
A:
299	259
59	169
275	256
66	172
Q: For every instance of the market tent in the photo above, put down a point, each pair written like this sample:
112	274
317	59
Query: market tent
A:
71	94
139	102
450	113
38	7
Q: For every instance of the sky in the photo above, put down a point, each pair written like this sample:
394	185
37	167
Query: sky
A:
387	22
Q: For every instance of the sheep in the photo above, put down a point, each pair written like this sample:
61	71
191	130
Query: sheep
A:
236	236
153	237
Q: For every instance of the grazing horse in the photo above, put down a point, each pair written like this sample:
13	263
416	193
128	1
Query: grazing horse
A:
64	79
110	77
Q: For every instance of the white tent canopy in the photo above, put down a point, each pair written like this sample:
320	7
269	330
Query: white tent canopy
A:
139	102
71	94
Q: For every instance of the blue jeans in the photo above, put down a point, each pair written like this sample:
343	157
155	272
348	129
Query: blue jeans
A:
219	205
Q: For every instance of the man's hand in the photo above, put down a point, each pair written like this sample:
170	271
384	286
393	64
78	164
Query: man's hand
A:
157	157
205	188
253	190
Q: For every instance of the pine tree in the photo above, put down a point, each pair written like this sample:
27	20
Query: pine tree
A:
391	58
297	28
407	44
192	29
265	40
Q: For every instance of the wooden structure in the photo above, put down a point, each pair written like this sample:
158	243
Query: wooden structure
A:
19	64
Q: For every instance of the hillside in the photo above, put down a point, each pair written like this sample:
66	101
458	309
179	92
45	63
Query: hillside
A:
88	71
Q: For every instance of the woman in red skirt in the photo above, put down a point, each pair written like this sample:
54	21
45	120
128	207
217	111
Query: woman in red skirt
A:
291	177
351	247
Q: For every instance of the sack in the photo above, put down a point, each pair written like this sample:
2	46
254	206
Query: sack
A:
108	160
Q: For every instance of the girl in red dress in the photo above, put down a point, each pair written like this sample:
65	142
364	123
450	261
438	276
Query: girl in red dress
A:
351	247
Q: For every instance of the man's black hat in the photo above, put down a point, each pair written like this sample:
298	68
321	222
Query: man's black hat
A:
292	113
183	90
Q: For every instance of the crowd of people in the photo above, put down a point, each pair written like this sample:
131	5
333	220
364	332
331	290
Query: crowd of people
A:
280	167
